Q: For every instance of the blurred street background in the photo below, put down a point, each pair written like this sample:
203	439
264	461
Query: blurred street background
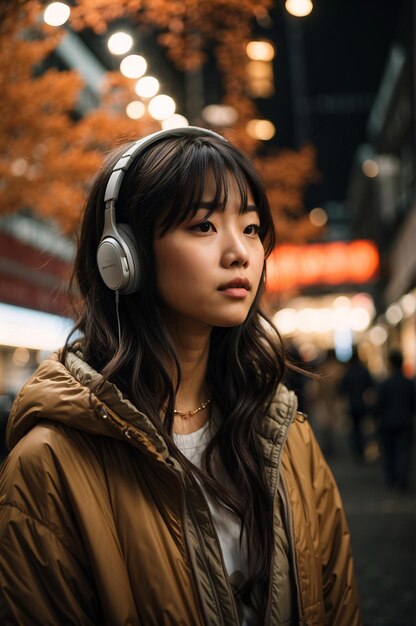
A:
382	524
322	94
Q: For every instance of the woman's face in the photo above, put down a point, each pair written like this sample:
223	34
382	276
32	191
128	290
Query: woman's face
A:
208	269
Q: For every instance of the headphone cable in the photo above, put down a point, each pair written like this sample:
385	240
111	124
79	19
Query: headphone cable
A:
118	317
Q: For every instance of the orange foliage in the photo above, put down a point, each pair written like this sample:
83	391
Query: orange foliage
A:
186	28
48	156
286	175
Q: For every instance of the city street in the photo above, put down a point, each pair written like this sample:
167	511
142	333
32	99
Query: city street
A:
169	172
383	529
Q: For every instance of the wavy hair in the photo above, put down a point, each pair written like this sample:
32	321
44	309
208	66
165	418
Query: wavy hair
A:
161	189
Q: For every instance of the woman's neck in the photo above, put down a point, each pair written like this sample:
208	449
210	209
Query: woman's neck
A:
192	349
193	392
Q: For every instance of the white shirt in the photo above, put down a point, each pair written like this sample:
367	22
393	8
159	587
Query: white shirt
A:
226	523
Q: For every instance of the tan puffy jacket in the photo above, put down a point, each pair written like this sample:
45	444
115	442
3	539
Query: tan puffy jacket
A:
99	525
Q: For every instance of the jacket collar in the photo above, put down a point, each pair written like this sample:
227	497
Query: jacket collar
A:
274	429
79	397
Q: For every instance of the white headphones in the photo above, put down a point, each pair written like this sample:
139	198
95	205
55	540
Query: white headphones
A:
117	254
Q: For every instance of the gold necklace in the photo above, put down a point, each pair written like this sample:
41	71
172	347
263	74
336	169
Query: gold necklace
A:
186	414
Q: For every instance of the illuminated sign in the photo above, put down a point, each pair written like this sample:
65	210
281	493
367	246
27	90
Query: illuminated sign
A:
291	266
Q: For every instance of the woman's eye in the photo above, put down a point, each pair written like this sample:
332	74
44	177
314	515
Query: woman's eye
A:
203	227
252	229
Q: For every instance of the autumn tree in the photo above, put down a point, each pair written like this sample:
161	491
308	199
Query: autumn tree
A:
48	152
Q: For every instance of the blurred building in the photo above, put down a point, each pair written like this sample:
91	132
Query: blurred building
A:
382	198
339	308
35	264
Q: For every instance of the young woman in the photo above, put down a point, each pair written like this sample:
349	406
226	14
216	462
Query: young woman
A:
159	472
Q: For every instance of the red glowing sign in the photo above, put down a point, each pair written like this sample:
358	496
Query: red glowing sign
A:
291	266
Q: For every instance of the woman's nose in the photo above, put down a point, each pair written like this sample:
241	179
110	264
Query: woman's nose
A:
235	252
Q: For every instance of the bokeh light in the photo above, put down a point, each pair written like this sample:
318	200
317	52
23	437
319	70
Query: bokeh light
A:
19	167
56	14
175	121
408	304
378	335
21	356
147	87
161	107
120	43
220	115
261	129
359	319
370	168
394	314
135	110
260	50
133	66
286	321
299	8
318	217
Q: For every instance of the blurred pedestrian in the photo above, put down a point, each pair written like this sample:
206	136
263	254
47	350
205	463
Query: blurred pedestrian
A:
395	410
327	405
159	472
357	386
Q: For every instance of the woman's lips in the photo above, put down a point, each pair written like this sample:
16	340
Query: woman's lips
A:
237	288
234	292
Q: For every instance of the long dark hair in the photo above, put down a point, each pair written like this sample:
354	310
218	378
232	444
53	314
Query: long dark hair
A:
161	189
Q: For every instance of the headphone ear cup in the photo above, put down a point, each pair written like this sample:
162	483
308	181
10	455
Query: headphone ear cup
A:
118	253
118	260
133	260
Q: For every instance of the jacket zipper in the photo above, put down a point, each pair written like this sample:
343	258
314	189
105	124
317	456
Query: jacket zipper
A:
188	545
186	506
291	410
200	538
288	516
207	572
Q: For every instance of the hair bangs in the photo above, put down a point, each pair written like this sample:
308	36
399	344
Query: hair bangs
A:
196	163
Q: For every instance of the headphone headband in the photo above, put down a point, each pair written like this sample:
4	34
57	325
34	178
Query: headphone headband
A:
127	158
118	256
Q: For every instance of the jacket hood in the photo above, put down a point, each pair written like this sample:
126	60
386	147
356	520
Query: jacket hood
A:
76	396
